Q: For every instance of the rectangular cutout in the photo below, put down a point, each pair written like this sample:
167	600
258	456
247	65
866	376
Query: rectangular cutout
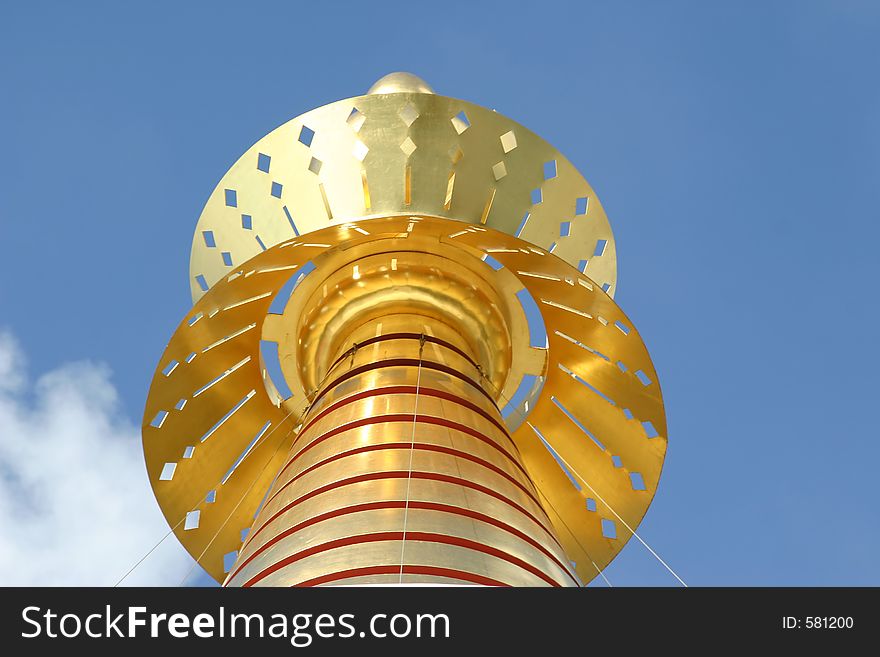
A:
159	420
522	224
638	483
488	207
231	336
167	473
556	457
577	423
228	415
534	319
246	452
221	376
290	220
586	384
583	346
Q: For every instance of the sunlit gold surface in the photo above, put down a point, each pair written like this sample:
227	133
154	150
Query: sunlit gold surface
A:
588	336
394	153
400	81
436	513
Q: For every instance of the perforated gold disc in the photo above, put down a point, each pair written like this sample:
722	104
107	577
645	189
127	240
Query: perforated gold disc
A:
593	438
401	153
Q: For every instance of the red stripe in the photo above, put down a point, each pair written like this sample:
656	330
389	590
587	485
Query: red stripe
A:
408	418
402	417
407	570
402	362
404	390
427	537
400	504
407	336
428	447
397	474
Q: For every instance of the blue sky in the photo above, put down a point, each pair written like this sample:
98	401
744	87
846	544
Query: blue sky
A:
735	148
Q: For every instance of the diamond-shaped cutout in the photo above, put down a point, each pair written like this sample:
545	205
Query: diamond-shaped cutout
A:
360	150
408	114
263	162
609	529
508	141
356	119
306	135
460	122
315	166
408	146
499	171
192	520
455	154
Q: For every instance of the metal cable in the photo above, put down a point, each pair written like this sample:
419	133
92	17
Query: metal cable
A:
304	408
411	451
599	497
616	515
241	499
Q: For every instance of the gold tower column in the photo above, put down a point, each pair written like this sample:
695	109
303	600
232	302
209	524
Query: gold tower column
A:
404	363
403	472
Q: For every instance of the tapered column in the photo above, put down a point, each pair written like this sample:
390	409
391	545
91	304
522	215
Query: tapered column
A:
403	472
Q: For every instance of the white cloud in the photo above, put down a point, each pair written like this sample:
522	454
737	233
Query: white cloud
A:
75	504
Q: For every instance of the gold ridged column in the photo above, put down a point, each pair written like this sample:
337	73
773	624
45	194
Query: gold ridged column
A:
372	281
403	472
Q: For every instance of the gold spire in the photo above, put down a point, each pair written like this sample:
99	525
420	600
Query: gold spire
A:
404	363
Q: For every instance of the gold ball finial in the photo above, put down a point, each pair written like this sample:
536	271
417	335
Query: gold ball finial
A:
400	82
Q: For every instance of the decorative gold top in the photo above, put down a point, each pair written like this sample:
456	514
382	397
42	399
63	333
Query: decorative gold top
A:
400	82
404	202
397	153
